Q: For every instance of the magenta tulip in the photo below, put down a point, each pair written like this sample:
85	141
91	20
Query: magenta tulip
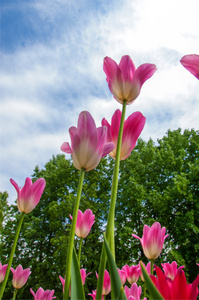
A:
43	295
88	143
191	63
83	277
147	268
152	240
170	270
20	276
133	127
3	269
132	273
124	80
134	292
93	295
122	275
29	196
177	288
84	223
106	284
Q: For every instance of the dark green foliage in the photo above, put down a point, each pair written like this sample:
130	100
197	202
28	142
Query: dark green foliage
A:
158	182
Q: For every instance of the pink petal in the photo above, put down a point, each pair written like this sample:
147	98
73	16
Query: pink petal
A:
65	147
191	63
108	148
108	135
144	72
128	68
115	125
111	69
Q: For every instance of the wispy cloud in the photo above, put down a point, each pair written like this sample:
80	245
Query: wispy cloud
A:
53	70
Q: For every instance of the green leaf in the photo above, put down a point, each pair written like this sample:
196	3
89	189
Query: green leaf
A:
77	291
116	285
155	294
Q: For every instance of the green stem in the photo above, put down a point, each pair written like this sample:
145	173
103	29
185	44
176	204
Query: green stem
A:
152	261
72	236
11	255
80	247
14	294
111	216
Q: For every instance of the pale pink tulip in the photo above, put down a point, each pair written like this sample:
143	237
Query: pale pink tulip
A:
106	284
43	295
177	288
152	240
84	223
132	273
20	276
133	127
3	269
29	195
88	143
134	292
170	270
124	80
191	63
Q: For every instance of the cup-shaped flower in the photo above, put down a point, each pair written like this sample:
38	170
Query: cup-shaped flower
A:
152	240
83	276
134	292
106	284
177	288
133	127
132	273
124	80
191	63
170	270
43	295
29	195
88	143
147	268
84	223
20	276
3	269
122	275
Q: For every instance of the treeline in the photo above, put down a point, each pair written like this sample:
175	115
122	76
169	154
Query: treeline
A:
158	182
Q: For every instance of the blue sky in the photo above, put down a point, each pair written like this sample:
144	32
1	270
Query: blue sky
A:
52	68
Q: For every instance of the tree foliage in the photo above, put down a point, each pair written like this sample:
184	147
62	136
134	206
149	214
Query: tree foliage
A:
158	182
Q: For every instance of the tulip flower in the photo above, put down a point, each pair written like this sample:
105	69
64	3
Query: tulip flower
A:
191	63
122	275
133	127
88	143
124	80
134	292
106	284
3	269
84	223
83	276
20	276
177	288
147	268
170	270
93	295
43	295
29	196
132	273
152	240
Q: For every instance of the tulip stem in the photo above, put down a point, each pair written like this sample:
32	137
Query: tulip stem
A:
14	294
72	237
80	247
152	261
111	216
11	255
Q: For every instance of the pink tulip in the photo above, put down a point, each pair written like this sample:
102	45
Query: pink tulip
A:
191	63
152	240
124	80
132	273
3	269
88	143
133	127
147	268
83	276
84	223
106	284
177	288
93	295
20	276
134	292
29	196
170	270
122	275
43	295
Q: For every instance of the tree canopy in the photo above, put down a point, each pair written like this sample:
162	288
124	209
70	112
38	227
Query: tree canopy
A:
157	182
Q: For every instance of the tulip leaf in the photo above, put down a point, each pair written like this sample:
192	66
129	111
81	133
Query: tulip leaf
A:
77	291
116	285
155	294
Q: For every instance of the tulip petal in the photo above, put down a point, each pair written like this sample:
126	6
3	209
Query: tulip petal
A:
191	63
